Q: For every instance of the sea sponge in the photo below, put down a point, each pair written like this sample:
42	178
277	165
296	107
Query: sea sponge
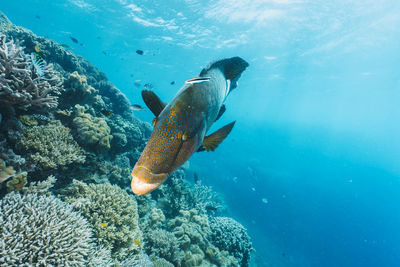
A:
42	231
229	235
51	145
112	214
92	131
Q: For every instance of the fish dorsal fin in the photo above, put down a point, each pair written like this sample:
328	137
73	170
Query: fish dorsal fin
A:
153	102
221	111
211	142
231	67
198	80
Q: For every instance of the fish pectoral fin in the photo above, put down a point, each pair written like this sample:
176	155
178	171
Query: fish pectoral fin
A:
211	142
221	111
153	102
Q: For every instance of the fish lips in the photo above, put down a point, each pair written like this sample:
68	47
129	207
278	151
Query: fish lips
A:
144	181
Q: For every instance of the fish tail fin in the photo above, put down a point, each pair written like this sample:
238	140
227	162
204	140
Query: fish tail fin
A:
231	67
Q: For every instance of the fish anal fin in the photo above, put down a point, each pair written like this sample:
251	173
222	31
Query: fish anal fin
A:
221	111
153	102
211	142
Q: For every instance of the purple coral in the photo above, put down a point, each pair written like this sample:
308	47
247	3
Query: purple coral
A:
20	85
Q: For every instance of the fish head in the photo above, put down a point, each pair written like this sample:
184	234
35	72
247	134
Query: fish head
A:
168	148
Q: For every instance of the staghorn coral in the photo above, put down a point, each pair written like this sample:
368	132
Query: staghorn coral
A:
112	214
205	200
51	145
42	231
227	234
20	86
92	131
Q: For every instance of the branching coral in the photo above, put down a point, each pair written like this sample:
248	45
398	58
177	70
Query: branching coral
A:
20	85
112	214
51	145
92	131
205	200
42	231
228	234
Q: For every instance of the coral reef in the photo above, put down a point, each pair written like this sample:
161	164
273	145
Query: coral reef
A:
112	214
48	229
5	172
92	131
20	86
227	234
17	181
51	146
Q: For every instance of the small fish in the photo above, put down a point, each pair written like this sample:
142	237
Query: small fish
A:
37	16
104	53
172	83
103	224
137	107
106	112
198	80
137	84
38	63
195	177
137	242
264	200
37	48
139	52
9	26
74	40
148	86
66	46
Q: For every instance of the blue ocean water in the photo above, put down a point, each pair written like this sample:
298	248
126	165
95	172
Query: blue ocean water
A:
312	166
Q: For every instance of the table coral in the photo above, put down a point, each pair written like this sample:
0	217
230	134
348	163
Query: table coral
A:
42	231
51	145
112	214
92	131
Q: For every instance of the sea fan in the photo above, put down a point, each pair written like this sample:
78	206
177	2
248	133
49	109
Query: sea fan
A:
38	63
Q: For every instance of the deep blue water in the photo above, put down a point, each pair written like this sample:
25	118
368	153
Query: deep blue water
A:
317	111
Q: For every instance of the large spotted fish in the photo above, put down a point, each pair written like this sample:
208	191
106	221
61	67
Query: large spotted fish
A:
180	127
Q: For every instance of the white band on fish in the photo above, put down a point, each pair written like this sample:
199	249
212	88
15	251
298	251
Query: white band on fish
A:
198	80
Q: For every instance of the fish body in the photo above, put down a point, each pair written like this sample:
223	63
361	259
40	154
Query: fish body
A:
181	125
136	107
74	39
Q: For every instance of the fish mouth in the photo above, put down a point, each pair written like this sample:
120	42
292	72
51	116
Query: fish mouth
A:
144	181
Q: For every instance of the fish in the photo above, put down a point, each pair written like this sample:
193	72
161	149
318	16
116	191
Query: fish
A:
104	53
195	177
137	242
137	84
38	63
37	48
103	224
148	86
180	126
172	83
9	26
137	107
106	112
66	46
198	80
37	16
139	52
74	40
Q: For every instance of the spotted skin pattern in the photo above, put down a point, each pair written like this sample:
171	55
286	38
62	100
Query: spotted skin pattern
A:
179	130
